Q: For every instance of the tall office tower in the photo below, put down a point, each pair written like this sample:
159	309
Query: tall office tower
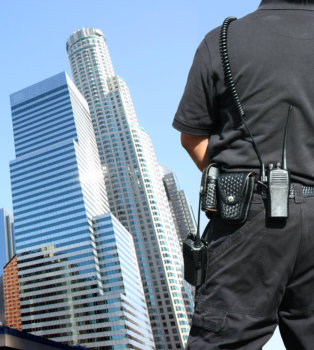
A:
2	306
134	185
182	216
180	209
122	282
7	244
12	295
7	251
65	274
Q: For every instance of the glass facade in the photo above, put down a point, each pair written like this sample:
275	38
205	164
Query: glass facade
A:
58	190
122	283
133	180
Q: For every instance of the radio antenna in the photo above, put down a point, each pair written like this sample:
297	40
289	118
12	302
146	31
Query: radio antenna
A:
284	150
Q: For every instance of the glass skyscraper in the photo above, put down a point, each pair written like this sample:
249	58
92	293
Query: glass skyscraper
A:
77	271
134	185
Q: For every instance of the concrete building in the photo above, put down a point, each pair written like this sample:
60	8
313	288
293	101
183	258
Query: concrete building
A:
7	244
180	208
2	305
134	185
58	192
12	295
7	251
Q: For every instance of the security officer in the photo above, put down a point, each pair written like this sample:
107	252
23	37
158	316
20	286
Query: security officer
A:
261	273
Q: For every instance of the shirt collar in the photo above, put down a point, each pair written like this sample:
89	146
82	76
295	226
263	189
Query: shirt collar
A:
284	5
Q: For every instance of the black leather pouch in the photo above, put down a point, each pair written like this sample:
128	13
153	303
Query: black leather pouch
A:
235	191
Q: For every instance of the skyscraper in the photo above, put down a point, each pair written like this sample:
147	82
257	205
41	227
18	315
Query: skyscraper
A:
7	244
180	209
2	305
134	185
68	244
12	295
7	251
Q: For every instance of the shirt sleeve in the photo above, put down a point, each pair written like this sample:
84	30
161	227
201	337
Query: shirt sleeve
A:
195	112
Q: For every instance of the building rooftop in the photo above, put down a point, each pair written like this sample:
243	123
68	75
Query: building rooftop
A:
12	339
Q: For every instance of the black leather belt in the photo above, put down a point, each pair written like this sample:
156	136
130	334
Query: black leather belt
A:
307	191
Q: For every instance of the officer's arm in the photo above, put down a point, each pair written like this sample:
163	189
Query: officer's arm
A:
196	146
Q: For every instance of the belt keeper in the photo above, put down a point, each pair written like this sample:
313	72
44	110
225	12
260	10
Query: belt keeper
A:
298	193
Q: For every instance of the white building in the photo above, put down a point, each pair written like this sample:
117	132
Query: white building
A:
134	186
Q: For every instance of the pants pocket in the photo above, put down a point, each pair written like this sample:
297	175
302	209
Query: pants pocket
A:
213	320
206	323
225	235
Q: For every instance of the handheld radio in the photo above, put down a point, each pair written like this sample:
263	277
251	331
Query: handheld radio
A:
195	255
278	183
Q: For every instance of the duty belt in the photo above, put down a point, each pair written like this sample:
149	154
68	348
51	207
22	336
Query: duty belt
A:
307	191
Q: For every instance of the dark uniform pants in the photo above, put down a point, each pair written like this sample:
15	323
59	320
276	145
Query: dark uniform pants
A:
259	274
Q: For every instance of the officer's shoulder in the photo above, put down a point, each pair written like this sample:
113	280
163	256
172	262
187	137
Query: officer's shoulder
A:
212	37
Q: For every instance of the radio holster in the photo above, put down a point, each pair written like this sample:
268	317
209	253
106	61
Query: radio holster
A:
194	255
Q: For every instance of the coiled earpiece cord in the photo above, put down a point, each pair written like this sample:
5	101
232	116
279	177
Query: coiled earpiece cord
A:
230	84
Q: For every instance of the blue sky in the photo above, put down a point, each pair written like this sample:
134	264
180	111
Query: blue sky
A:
152	44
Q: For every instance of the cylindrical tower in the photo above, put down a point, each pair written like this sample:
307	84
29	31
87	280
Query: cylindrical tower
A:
134	186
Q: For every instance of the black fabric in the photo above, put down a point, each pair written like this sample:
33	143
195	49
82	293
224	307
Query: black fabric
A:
272	59
259	274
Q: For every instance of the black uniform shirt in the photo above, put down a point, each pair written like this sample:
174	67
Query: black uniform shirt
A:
272	59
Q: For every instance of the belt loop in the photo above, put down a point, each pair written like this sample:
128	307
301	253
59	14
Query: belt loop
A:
298	193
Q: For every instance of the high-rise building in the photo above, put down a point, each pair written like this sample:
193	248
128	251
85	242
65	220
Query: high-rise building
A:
77	272
2	305
180	209
7	251
12	339
7	244
134	185
12	295
122	282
